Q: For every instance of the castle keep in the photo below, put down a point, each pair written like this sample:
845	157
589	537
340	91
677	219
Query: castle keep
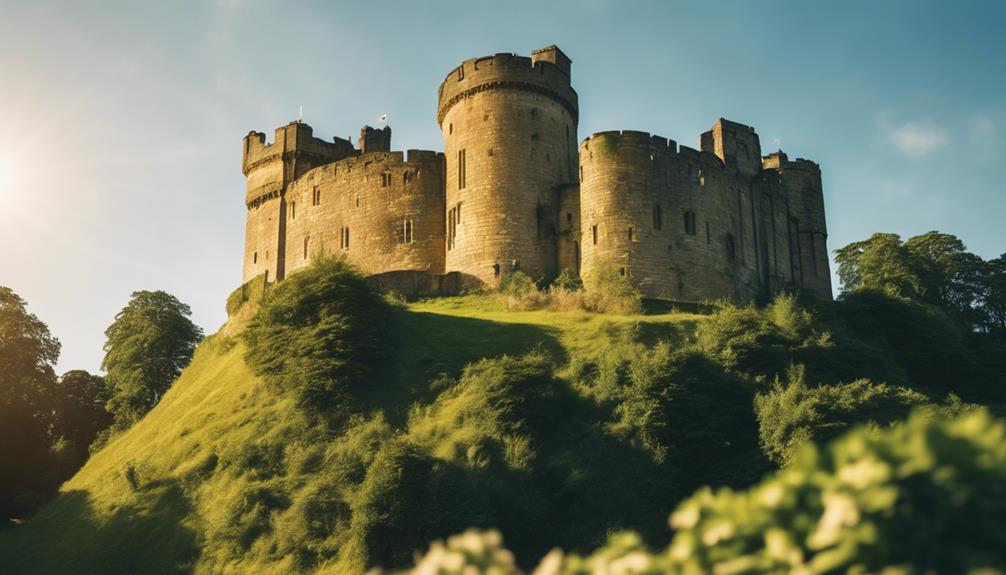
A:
514	191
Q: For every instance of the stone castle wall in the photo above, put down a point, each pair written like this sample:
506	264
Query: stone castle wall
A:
514	191
381	210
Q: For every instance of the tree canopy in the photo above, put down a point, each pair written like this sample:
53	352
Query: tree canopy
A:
932	268
151	340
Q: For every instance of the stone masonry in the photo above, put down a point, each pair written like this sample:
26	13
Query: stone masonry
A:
513	191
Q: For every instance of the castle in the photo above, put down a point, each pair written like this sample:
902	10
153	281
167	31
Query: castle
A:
514	191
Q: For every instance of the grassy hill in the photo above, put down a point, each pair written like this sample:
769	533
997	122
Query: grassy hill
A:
557	427
180	491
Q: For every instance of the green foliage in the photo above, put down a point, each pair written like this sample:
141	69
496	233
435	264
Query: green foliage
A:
520	292
80	414
567	281
857	505
151	340
792	413
760	341
609	290
932	268
320	336
27	385
556	427
926	496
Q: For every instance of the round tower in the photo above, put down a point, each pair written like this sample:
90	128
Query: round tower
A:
509	125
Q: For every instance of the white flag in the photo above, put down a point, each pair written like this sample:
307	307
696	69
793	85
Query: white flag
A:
383	118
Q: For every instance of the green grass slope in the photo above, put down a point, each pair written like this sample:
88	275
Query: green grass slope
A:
211	479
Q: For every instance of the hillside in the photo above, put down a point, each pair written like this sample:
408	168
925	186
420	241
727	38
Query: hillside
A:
557	427
201	458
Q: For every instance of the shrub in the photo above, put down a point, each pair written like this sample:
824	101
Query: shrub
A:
320	336
792	413
609	290
925	496
520	292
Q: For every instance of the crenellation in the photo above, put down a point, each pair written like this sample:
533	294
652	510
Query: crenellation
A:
514	189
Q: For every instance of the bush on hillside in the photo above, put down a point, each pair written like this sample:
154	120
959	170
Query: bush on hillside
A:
320	336
792	413
925	496
609	290
519	292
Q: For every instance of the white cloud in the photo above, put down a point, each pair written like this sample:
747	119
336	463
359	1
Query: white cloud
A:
917	138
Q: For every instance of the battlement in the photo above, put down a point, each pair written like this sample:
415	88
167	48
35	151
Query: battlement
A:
546	72
780	161
640	144
296	138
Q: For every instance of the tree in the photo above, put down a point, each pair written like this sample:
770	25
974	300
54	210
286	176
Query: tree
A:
151	340
993	295
950	276
79	415
27	355
881	262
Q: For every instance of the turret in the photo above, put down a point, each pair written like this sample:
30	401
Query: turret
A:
374	140
736	144
509	125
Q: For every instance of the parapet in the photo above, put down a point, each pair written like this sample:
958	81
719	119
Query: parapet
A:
780	161
546	72
296	138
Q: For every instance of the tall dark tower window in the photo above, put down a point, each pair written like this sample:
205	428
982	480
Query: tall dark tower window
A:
461	169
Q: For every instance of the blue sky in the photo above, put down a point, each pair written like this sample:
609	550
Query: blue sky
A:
120	159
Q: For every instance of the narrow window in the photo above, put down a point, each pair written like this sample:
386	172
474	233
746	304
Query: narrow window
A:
407	177
537	220
305	247
461	170
569	221
316	196
406	235
293	210
534	137
450	128
658	222
496	269
621	271
690	223
731	248
347	238
534	112
489	152
255	258
457	217
631	238
581	173
385	180
593	231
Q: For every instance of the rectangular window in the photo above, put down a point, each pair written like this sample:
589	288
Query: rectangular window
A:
293	210
593	231
385	180
305	247
657	217
407	230
461	169
316	196
255	258
344	238
631	235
